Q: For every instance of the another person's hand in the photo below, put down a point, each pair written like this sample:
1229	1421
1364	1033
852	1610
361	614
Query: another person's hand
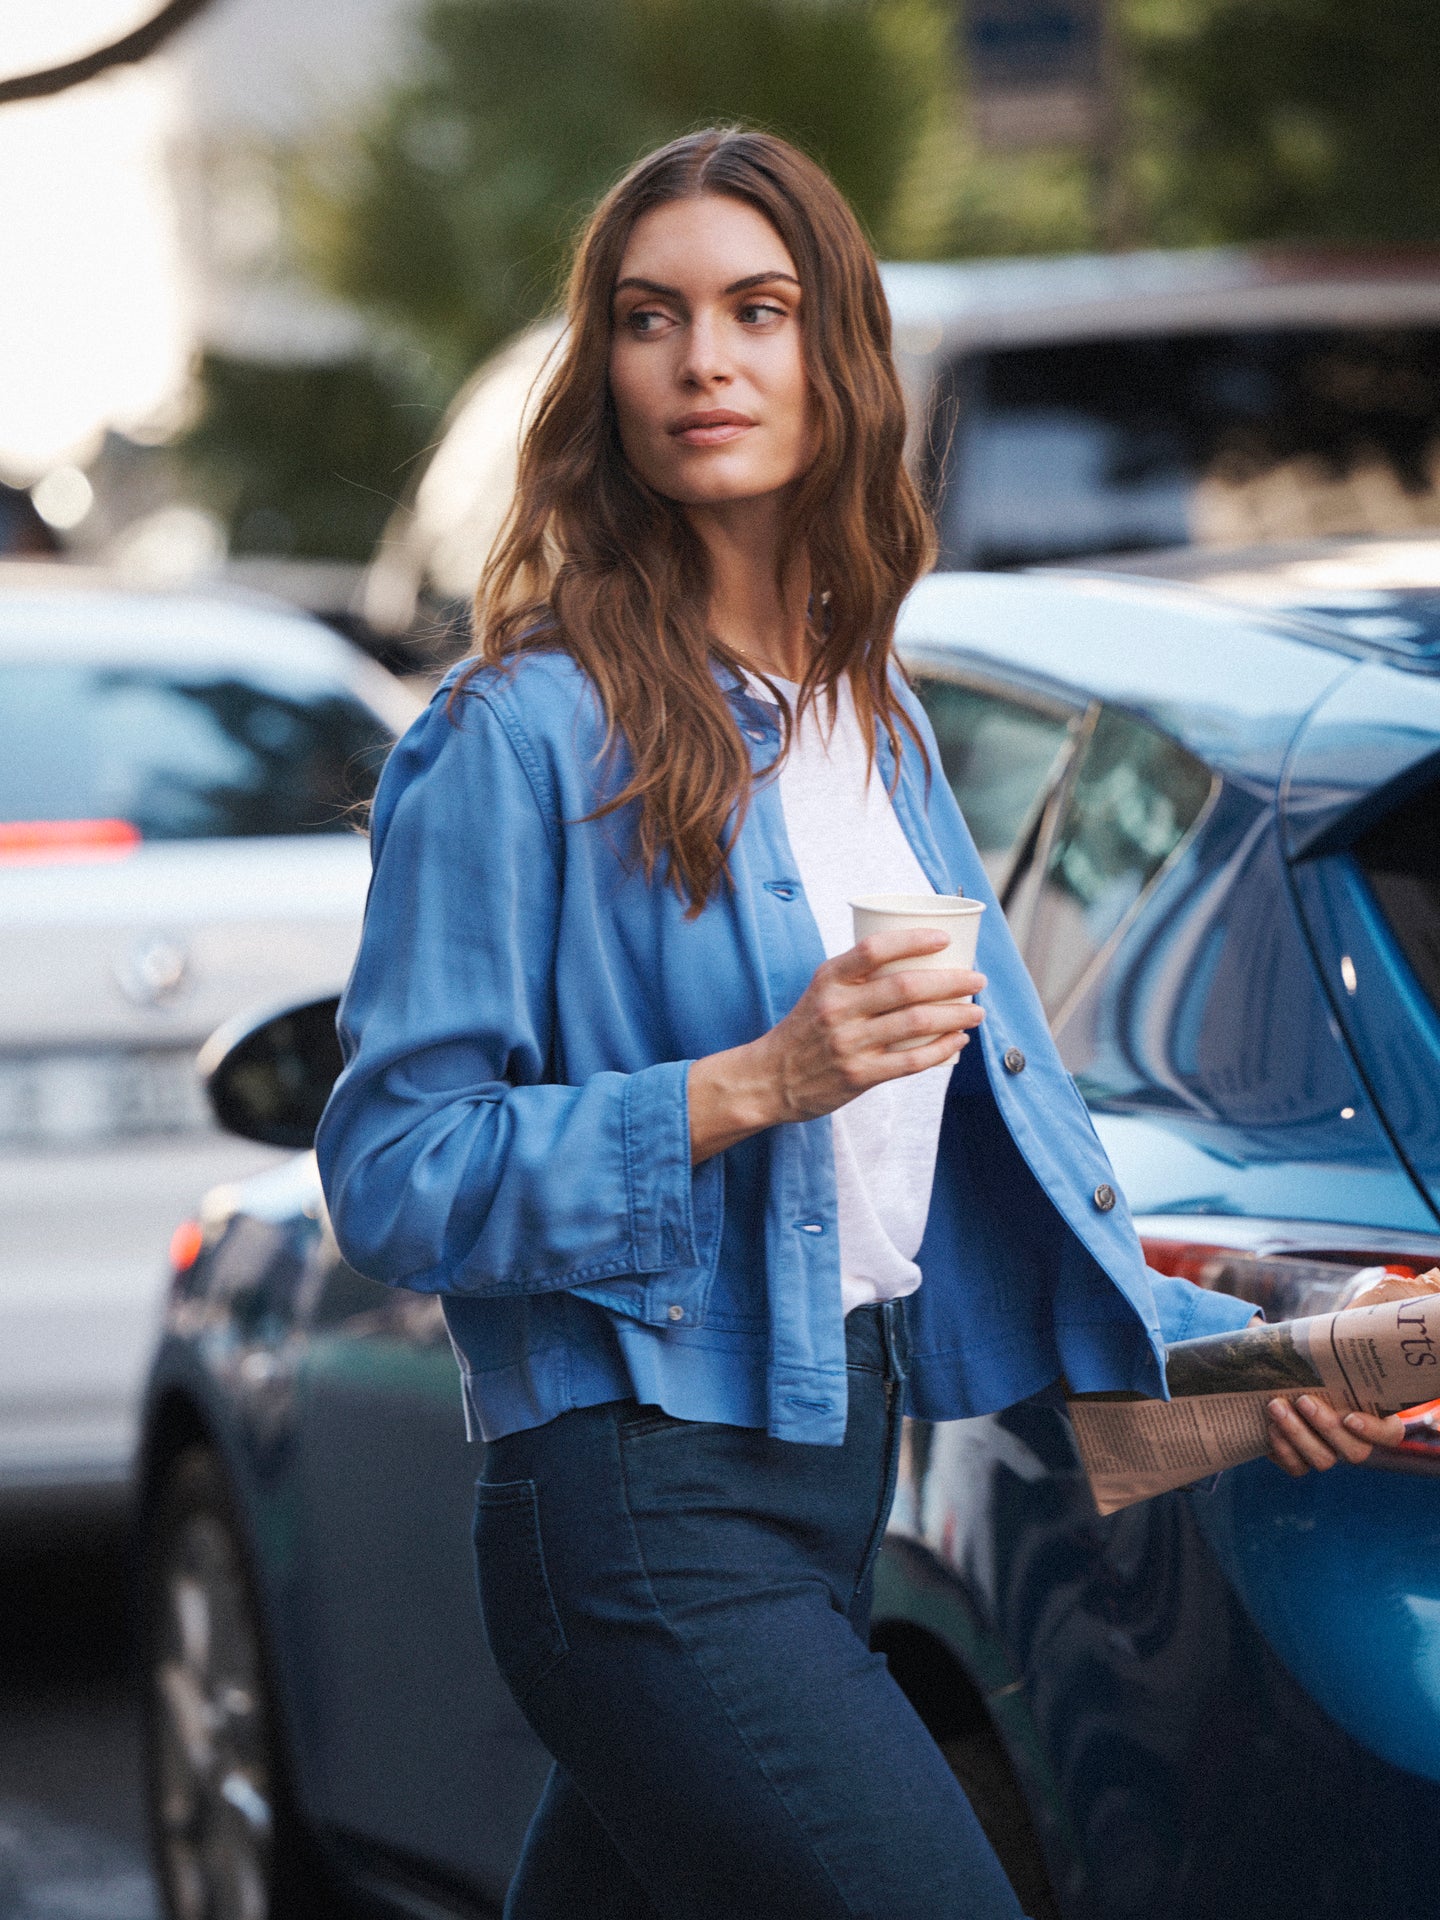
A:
1310	1433
844	1035
1390	1287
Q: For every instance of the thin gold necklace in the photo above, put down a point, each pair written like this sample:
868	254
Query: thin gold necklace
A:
774	672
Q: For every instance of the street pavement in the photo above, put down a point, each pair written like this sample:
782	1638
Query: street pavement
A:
72	1844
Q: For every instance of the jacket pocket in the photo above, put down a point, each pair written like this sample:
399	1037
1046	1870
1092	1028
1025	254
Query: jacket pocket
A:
517	1605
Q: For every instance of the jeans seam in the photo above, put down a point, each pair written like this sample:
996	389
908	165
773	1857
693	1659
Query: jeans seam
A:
893	1426
706	1682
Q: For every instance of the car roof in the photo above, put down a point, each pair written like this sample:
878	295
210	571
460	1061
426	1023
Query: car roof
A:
56	612
89	617
1375	594
949	305
1233	684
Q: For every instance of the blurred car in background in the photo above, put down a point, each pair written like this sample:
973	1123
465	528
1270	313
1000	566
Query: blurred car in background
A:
1072	406
1215	833
178	784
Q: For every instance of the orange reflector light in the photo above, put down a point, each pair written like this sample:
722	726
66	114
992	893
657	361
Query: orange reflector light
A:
185	1244
1183	1259
33	842
1422	1431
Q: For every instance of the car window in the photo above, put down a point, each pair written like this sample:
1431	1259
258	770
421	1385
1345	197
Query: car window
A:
1095	446
1133	798
999	756
1400	858
183	754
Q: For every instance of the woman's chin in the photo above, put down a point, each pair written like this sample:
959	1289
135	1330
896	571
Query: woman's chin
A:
726	489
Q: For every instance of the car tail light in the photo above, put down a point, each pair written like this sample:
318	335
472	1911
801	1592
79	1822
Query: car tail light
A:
1422	1432
33	842
1286	1286
185	1245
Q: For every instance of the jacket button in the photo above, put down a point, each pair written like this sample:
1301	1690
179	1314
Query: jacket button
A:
675	1313
1014	1060
1104	1198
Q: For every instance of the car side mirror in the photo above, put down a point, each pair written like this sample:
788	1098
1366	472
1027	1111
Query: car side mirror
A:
268	1078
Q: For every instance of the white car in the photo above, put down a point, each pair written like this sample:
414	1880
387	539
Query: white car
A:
1066	407
181	779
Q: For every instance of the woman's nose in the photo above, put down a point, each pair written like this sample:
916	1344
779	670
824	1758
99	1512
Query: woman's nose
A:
705	361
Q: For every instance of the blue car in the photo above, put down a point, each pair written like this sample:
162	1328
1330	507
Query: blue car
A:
1216	830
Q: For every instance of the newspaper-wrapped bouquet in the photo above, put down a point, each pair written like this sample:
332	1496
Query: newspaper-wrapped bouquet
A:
1378	1353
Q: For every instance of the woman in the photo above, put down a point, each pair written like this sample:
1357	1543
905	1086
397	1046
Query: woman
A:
622	1091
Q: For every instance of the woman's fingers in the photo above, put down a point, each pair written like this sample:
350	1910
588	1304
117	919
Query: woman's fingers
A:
852	1029
1334	1431
912	988
1375	1431
871	1001
878	949
1284	1455
1308	1432
921	1021
1295	1443
898	1062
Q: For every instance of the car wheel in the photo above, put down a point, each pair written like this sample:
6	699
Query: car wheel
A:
979	1763
225	1844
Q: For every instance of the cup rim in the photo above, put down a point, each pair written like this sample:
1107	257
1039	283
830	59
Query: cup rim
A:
910	904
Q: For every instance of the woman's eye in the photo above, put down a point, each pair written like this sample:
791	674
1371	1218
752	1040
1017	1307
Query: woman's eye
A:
645	320
760	310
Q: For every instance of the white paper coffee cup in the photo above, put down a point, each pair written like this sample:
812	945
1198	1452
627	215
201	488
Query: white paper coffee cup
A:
952	914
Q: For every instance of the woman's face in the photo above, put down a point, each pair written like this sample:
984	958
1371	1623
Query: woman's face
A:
706	366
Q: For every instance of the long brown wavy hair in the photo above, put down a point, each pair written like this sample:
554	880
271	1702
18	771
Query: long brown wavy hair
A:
594	561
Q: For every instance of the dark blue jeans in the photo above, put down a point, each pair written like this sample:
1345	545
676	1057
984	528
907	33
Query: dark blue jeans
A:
681	1611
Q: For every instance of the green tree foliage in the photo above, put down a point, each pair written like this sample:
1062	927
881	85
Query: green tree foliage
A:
451	212
1250	120
305	460
1288	119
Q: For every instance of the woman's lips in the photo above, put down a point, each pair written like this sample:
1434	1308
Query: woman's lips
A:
710	429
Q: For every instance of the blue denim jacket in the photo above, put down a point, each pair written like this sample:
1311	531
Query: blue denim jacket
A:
511	1128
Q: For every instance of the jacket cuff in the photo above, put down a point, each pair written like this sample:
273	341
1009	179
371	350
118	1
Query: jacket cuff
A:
659	1179
1188	1312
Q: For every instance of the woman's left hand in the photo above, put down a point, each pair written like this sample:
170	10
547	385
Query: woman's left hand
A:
1308	1432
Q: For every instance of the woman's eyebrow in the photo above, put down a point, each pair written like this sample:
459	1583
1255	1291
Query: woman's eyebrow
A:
760	280
648	286
674	293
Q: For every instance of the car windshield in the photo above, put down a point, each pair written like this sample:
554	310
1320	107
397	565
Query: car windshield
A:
183	753
1088	447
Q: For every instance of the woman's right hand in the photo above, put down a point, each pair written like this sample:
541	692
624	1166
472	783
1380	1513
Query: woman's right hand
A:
838	1040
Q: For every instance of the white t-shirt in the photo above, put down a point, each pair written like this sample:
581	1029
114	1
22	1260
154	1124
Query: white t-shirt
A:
847	841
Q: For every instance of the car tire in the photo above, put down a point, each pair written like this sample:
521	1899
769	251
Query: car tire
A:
224	1836
979	1762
